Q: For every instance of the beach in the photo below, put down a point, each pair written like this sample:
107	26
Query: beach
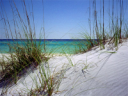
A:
63	48
94	73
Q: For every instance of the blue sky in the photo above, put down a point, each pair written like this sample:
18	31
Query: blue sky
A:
63	19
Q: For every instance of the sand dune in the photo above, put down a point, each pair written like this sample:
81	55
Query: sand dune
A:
95	73
107	78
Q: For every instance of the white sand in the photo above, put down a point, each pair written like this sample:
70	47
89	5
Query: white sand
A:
106	74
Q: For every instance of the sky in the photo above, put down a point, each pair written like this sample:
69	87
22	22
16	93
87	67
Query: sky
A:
63	19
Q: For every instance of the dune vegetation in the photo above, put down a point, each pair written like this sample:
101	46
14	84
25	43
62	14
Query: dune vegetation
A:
15	65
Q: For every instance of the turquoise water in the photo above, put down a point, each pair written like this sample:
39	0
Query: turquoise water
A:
69	46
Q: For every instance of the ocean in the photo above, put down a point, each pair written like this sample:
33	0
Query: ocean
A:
59	46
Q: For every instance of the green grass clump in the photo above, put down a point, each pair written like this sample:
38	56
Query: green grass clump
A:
48	83
85	45
22	58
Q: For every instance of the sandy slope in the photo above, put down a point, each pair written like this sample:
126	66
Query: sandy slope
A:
108	77
106	74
